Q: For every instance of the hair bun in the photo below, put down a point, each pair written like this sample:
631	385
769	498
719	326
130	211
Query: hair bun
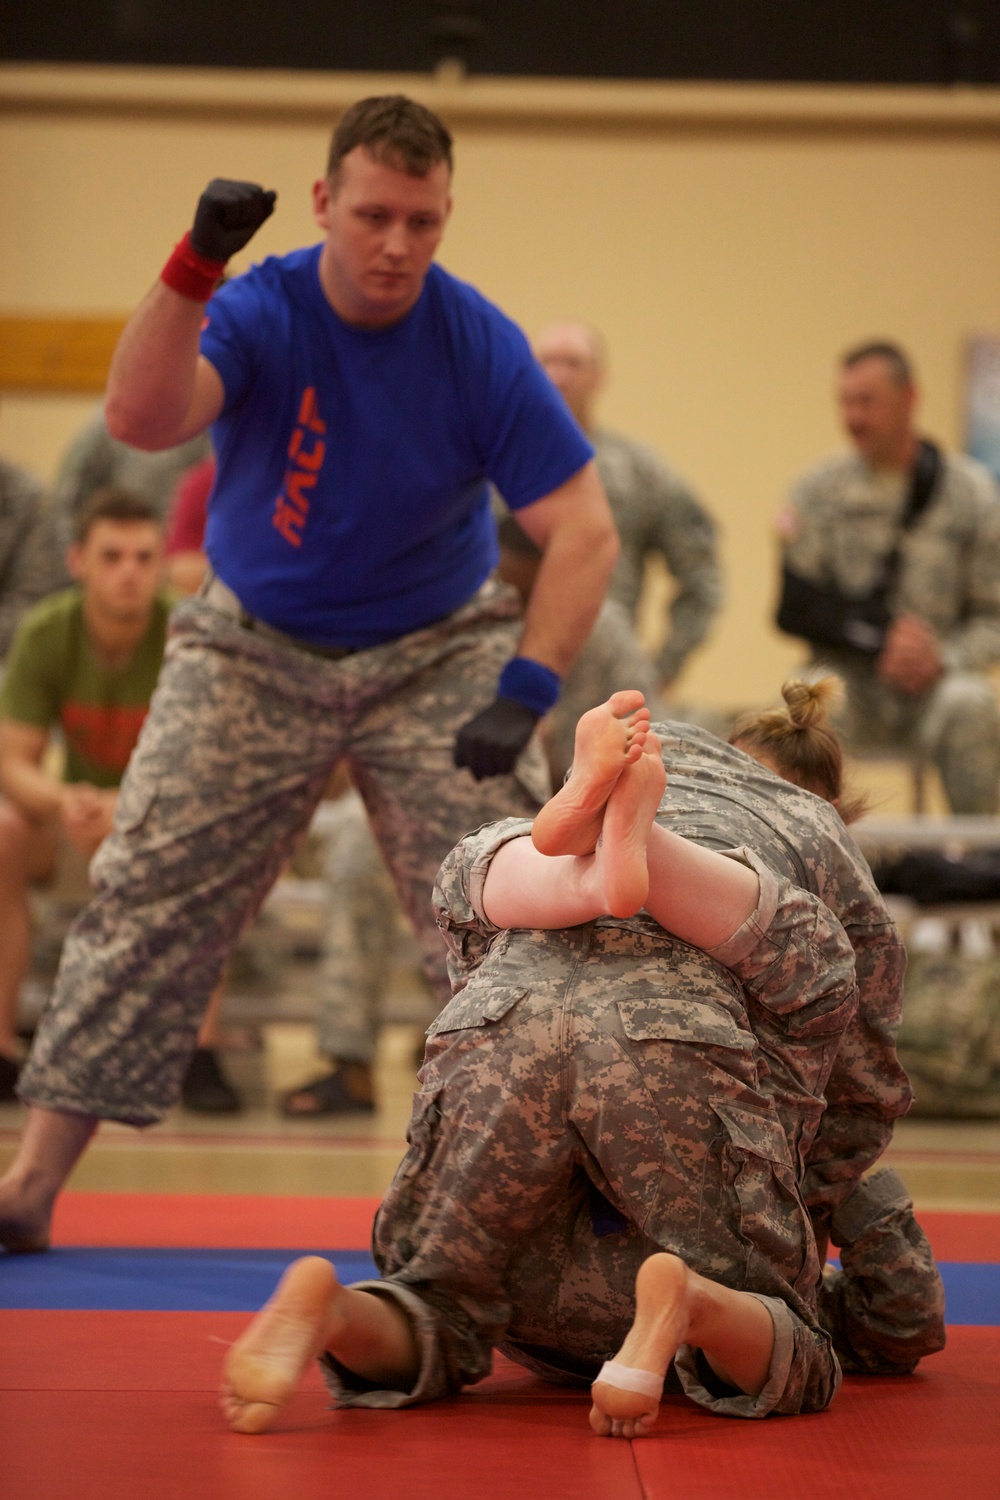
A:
810	701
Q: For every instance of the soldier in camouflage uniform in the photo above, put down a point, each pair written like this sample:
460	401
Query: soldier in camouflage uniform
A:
31	558
924	694
609	1056
655	511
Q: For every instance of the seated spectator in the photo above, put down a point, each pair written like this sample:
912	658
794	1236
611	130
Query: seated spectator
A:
892	575
84	661
31	563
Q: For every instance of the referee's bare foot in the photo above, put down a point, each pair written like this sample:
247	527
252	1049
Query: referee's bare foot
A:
620	860
663	1292
268	1360
608	738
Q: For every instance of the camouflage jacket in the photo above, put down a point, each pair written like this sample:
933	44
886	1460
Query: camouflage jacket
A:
656	512
845	520
718	797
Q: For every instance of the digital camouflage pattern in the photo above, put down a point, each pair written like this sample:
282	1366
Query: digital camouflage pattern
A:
842	523
950	1037
717	796
613	1054
241	737
94	458
656	512
31	559
885	1307
360	919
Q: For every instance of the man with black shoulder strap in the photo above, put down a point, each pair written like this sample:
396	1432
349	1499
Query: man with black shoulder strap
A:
891	559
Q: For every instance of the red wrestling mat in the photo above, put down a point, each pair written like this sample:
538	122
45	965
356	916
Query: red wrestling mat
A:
98	1405
206	1221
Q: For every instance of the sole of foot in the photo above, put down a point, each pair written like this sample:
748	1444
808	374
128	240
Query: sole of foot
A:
608	738
661	1296
266	1363
628	817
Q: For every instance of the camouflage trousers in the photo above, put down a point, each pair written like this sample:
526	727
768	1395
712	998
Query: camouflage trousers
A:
242	734
620	1069
956	726
362	923
885	1307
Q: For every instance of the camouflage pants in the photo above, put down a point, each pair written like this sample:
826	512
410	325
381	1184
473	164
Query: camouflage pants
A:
956	726
619	1064
362	922
241	737
885	1308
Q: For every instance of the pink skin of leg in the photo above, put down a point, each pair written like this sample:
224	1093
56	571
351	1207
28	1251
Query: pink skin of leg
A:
608	738
50	1145
310	1312
674	1306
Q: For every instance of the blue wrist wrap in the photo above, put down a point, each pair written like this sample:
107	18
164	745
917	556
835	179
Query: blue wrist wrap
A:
529	683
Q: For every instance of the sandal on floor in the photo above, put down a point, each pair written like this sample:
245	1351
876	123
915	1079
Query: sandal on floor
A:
327	1095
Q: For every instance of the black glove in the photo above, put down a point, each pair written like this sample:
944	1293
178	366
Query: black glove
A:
491	742
228	216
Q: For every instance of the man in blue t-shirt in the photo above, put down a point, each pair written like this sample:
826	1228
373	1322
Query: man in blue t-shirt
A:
360	400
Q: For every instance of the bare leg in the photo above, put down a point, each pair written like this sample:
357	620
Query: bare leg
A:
50	1145
309	1312
675	1306
210	1031
608	738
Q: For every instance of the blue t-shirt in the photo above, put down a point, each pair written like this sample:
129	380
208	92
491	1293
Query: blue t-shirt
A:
351	503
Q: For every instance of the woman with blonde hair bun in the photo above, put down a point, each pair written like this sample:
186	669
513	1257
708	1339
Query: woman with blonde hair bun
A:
799	743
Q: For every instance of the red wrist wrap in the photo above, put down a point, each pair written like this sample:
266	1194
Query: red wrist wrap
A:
191	274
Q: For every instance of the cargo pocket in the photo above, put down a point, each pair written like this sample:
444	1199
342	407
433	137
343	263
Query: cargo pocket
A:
135	803
665	1018
757	1166
478	1004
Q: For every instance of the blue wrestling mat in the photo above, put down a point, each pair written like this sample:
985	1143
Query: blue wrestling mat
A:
141	1280
144	1280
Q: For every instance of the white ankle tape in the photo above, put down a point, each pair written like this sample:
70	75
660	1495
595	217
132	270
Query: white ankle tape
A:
643	1382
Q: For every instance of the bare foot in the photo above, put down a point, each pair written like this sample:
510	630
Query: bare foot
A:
25	1225
620	862
608	738
268	1359
662	1315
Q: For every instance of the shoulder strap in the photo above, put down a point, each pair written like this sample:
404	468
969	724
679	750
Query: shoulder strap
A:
926	472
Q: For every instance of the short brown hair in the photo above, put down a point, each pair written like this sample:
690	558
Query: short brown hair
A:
113	503
799	740
898	362
396	130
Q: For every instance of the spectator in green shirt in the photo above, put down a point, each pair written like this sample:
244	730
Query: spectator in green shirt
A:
84	660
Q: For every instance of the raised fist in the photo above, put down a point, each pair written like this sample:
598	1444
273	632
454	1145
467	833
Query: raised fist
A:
228	216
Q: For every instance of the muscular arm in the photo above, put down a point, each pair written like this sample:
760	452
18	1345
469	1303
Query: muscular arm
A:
574	529
161	391
22	778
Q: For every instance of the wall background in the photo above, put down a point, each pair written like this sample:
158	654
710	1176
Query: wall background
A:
728	240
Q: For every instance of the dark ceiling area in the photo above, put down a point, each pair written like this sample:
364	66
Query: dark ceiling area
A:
936	42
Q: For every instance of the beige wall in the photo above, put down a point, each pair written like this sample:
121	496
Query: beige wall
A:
728	248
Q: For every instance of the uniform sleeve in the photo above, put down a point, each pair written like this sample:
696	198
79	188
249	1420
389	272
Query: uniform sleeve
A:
684	532
30	555
458	896
868	1089
975	640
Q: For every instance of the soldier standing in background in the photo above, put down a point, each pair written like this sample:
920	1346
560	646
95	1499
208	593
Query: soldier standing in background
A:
655	512
915	683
